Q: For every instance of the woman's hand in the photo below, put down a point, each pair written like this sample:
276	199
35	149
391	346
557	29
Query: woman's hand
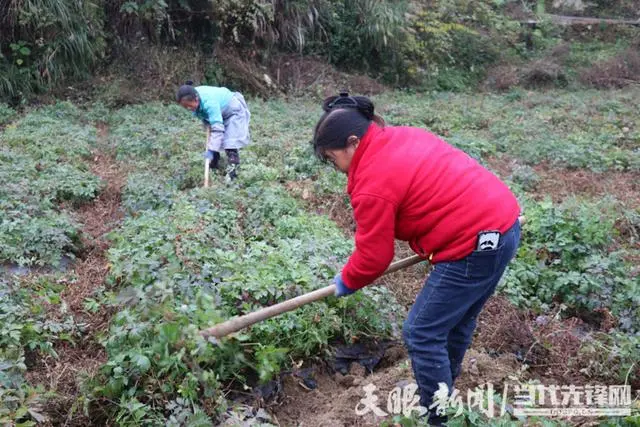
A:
213	157
341	287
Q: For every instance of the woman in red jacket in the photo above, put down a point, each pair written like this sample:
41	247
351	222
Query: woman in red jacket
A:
407	184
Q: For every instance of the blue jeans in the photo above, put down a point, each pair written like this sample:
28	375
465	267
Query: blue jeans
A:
440	325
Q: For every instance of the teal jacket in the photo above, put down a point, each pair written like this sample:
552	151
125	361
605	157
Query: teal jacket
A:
212	102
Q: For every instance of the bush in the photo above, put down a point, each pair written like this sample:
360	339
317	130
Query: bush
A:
366	35
451	42
618	72
526	177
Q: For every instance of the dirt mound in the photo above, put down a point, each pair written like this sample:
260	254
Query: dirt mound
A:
502	328
480	367
333	402
546	347
546	72
558	342
337	397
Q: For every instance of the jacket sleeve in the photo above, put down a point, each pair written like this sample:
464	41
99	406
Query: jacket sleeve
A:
216	137
213	112
375	233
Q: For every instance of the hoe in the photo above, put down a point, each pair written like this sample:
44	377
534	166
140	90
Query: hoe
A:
206	161
237	323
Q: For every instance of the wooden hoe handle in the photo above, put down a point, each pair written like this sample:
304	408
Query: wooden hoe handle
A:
237	323
206	161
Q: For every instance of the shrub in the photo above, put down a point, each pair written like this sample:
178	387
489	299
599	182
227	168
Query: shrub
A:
526	177
451	42
620	71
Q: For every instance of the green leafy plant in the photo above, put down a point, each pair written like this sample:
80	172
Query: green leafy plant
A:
565	257
186	258
20	51
26	328
42	163
6	114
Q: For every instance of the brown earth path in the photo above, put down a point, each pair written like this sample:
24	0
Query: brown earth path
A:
87	277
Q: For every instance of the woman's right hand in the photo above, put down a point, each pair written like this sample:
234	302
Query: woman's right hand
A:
209	155
341	287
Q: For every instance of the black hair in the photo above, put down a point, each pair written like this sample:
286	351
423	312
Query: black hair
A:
187	91
344	116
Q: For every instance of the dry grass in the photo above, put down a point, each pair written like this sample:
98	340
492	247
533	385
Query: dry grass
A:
617	72
560	184
301	75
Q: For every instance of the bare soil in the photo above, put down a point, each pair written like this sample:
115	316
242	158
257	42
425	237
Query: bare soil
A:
510	346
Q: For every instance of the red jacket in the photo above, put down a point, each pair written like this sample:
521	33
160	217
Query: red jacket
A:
406	183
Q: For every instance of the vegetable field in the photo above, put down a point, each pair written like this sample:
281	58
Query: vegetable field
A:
113	257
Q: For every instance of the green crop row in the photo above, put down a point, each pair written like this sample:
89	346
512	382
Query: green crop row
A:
41	168
187	258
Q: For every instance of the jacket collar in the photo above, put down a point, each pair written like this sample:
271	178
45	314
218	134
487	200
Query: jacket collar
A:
199	108
372	132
